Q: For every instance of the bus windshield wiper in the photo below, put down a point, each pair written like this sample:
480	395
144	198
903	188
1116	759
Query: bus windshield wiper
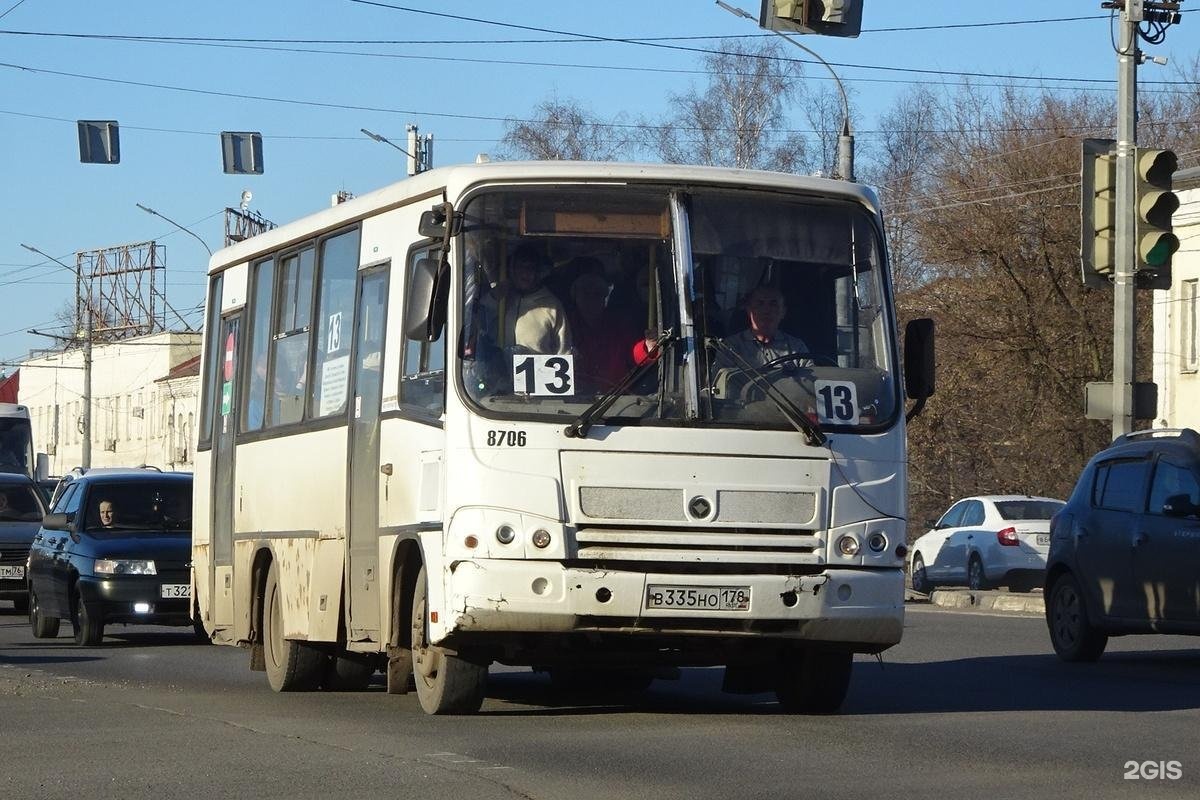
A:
794	415
583	423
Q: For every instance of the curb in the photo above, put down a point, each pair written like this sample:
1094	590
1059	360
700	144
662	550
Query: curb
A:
1005	602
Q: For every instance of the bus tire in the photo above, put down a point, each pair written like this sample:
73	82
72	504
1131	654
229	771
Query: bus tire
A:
446	684
814	681
346	674
292	666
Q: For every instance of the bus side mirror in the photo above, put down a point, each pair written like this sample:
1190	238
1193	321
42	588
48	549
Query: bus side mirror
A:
425	305
42	472
432	224
919	360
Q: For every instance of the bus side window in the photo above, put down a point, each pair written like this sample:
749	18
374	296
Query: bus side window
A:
260	326
290	343
335	325
423	373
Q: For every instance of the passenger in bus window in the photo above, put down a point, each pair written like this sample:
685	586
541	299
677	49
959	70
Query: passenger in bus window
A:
255	405
601	354
290	379
762	341
527	317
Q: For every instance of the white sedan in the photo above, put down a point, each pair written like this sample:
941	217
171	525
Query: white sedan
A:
986	541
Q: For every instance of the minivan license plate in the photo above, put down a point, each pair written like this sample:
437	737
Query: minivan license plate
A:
176	590
698	598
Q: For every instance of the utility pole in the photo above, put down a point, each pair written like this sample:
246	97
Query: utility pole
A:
86	398
1124	289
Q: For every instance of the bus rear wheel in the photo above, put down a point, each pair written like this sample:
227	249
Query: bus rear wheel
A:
292	666
347	674
446	684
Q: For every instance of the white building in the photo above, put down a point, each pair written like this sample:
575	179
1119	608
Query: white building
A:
144	402
1176	314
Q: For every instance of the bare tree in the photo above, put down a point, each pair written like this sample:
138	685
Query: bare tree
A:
739	118
563	129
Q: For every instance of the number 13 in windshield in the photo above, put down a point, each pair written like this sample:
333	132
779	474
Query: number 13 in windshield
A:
544	375
837	402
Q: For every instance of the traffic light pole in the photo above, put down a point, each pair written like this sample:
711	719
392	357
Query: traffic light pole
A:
1124	267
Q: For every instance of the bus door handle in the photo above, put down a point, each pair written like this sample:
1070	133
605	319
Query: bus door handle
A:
386	469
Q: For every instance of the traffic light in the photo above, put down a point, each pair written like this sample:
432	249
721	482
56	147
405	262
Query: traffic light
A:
1098	206
1155	203
824	17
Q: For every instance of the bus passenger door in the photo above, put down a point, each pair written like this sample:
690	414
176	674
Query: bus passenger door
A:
362	481
224	424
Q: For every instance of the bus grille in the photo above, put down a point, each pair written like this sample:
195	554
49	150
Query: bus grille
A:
721	546
733	506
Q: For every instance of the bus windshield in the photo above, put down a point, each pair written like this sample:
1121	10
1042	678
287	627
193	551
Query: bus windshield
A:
568	290
16	445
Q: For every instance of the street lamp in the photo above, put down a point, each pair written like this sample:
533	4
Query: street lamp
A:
846	138
86	396
177	225
386	140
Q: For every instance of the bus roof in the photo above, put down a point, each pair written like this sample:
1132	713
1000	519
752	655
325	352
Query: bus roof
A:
454	180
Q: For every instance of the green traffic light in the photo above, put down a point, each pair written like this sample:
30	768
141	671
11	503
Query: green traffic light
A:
1157	249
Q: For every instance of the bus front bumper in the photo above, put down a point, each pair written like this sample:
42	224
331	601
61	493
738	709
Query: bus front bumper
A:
863	608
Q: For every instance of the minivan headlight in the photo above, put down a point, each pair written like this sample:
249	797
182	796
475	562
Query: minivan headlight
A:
124	566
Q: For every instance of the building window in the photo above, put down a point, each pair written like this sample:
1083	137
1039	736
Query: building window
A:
1189	349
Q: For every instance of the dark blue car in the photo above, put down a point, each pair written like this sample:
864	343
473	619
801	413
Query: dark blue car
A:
21	512
116	548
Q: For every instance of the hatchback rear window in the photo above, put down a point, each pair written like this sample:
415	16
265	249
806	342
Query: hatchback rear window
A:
1028	509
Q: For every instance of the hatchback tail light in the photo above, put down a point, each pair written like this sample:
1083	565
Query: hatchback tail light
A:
1007	537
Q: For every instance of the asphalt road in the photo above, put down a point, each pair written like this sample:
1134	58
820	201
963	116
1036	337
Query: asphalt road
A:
968	705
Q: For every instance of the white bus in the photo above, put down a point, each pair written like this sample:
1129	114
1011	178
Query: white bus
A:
602	420
16	441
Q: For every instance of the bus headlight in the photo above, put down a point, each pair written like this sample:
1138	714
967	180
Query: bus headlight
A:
848	545
541	538
505	534
877	541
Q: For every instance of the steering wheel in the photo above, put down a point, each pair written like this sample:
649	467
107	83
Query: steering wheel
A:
788	358
749	388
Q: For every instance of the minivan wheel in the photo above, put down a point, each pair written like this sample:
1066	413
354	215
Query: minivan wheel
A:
89	630
1071	632
43	627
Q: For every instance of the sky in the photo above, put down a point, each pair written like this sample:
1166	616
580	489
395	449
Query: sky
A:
310	74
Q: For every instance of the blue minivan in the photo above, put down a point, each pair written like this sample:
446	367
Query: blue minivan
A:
115	548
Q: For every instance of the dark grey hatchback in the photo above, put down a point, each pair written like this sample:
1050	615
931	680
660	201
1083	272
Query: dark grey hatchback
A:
116	548
1125	550
21	511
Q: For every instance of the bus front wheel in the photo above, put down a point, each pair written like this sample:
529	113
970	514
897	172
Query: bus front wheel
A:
446	684
292	666
814	681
